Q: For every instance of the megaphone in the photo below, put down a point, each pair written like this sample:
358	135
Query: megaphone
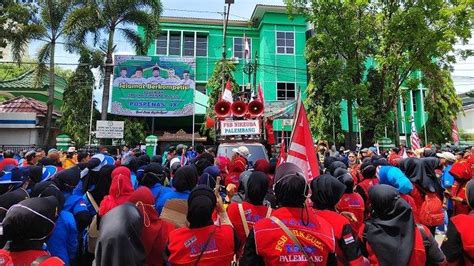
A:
239	108
255	108
222	109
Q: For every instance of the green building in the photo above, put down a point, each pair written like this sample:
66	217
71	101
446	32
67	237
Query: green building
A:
277	41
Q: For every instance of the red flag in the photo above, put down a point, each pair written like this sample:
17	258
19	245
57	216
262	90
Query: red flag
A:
210	122
301	151
227	96
282	156
260	94
455	132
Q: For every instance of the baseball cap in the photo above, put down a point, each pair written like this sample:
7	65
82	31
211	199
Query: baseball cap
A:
364	150
242	151
446	155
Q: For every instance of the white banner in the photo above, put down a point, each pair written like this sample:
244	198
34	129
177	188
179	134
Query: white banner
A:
240	127
109	129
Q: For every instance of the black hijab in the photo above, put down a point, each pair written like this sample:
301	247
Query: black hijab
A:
257	187
28	223
35	173
336	165
119	242
157	159
326	192
290	186
470	193
10	198
415	170
201	204
67	180
185	178
47	189
344	177
104	181
431	164
152	174
391	230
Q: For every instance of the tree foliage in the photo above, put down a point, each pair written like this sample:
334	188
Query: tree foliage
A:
11	71
214	85
369	50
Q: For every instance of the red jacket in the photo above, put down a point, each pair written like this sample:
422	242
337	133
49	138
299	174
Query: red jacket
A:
8	258
418	256
354	203
463	224
276	248
252	213
8	161
459	190
186	244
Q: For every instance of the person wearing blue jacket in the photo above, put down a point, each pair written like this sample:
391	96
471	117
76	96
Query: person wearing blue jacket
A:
184	180
393	176
154	176
63	242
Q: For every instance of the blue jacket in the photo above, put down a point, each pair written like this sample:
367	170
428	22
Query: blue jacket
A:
394	177
170	193
447	180
63	241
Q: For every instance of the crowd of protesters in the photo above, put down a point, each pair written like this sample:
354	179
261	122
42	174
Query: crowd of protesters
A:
189	206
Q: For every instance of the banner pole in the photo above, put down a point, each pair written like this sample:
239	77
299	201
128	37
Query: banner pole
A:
91	115
194	115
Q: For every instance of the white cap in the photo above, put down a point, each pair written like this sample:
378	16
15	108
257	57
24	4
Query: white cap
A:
446	155
71	149
242	151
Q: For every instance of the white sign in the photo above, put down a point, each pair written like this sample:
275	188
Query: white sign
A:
240	127
109	129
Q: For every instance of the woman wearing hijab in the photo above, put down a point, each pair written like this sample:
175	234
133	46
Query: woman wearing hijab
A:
154	177
462	173
251	210
326	192
350	201
63	242
368	171
120	190
10	198
209	176
270	244
119	242
155	231
236	167
143	161
184	180
458	245
203	243
391	237
26	227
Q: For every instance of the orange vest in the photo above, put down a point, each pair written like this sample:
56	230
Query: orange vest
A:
186	244
276	247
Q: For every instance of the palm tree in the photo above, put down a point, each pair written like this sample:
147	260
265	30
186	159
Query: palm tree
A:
103	18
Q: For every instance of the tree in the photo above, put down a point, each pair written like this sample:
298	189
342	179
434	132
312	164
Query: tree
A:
214	84
77	99
11	71
394	39
108	17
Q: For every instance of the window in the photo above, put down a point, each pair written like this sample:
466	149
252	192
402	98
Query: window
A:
201	45
169	43
279	135
201	87
175	43
239	47
413	93
188	44
285	42
285	91
161	44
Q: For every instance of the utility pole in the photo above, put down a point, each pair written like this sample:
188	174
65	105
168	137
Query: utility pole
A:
224	33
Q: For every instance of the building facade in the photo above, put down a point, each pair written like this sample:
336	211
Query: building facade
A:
277	41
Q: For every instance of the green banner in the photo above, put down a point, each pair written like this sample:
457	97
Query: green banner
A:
153	86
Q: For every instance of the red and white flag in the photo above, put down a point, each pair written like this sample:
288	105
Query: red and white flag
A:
227	96
282	156
260	94
414	139
246	50
455	132
301	151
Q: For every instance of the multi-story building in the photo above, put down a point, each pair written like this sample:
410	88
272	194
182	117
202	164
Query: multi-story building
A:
277	40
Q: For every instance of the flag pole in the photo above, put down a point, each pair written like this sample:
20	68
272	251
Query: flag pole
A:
296	114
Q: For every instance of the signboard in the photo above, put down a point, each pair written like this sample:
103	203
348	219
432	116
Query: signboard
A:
240	127
109	129
153	86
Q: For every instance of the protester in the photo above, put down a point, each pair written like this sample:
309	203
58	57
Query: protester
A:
462	173
350	201
26	227
184	180
458	245
237	165
326	193
120	190
119	242
269	242
11	198
210	244
155	231
8	161
391	236
244	215
154	177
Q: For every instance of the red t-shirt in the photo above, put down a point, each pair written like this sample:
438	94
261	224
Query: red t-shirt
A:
354	203
8	258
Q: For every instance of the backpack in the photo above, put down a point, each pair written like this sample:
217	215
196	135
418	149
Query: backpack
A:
431	212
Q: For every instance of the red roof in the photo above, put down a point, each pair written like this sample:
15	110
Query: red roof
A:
24	104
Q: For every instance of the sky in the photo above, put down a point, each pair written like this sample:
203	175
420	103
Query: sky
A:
463	74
